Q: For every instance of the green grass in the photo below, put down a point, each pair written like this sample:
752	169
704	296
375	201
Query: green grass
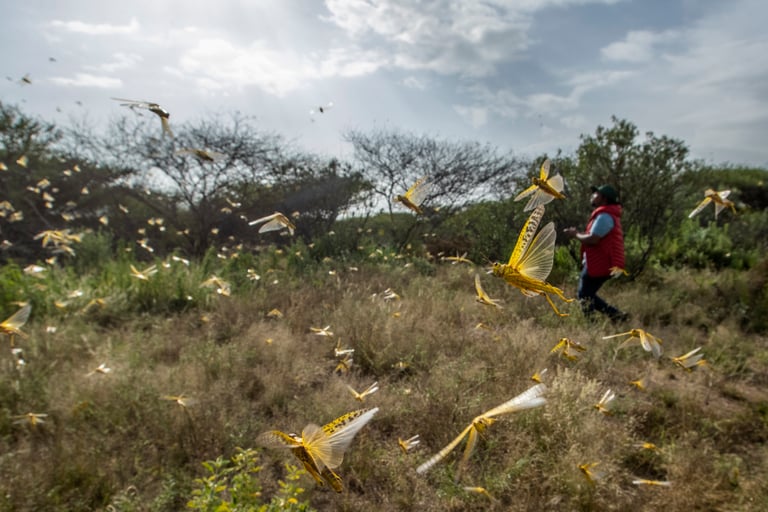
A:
112	440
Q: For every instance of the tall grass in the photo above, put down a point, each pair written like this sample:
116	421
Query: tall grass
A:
114	440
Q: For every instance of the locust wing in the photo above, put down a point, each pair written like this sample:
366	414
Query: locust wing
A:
526	236
327	445
14	323
528	399
537	261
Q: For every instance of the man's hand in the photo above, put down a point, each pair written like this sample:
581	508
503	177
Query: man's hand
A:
571	232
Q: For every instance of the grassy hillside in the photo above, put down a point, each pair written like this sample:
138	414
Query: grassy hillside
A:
119	441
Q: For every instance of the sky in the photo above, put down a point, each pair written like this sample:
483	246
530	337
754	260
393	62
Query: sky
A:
527	76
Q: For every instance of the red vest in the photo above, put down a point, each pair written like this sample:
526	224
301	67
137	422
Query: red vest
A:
609	251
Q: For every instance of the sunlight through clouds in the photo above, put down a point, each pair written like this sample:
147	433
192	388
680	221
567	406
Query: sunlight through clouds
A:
231	66
494	70
224	65
96	28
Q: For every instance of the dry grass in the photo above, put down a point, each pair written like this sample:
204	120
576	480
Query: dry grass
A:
245	373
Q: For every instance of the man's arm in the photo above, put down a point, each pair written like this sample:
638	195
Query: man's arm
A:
602	226
584	238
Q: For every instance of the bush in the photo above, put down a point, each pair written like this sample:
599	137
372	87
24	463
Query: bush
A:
231	485
486	231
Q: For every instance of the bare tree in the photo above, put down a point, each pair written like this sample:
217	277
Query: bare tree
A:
217	174
460	172
45	188
199	170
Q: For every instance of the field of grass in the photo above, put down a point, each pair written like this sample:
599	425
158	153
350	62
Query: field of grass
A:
119	441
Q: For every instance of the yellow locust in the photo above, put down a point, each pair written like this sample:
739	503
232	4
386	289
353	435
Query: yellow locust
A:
531	261
321	450
13	324
690	359
274	222
544	188
566	347
409	444
712	196
657	483
533	397
152	107
591	476
604	405
415	195
360	396
648	341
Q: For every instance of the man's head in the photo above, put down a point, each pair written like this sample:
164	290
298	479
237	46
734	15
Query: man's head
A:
604	194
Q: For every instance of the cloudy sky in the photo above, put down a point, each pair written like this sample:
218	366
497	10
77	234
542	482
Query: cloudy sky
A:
528	76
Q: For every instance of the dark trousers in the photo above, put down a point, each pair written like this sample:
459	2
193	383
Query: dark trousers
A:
587	294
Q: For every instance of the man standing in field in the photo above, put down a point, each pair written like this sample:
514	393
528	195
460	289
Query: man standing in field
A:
602	251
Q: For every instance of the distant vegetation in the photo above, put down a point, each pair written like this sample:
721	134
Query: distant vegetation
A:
154	357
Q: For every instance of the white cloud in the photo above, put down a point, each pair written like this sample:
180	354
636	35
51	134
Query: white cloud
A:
413	82
585	82
450	37
447	37
82	27
537	5
637	46
693	70
346	62
220	64
551	104
87	80
505	103
577	121
119	61
477	117
711	90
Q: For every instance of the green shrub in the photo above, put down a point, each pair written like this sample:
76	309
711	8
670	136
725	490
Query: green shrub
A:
12	289
698	247
488	229
92	252
232	486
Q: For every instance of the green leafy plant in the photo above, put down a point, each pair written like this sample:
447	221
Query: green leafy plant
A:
232	486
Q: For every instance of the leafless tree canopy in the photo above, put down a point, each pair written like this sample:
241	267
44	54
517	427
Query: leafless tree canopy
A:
460	172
